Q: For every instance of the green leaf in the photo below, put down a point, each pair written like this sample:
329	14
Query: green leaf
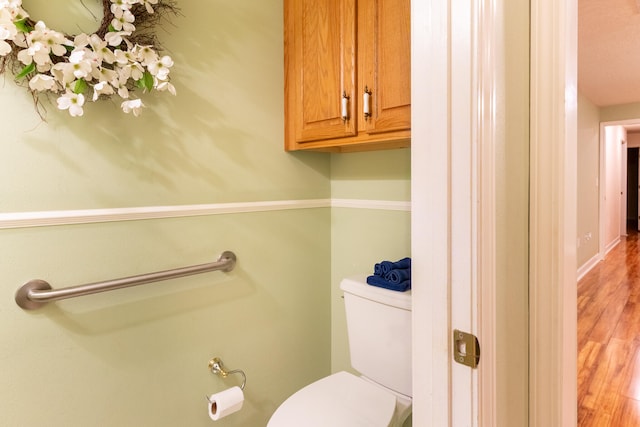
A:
146	82
112	29
80	86
23	25
26	70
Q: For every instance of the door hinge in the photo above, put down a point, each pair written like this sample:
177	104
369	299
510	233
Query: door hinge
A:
466	348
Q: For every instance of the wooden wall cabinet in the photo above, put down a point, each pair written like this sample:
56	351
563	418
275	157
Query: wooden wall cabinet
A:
335	51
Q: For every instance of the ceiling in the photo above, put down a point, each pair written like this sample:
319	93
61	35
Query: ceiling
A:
609	51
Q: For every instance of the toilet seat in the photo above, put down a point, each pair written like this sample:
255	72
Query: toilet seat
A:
339	400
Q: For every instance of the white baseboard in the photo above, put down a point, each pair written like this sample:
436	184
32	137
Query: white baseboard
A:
612	245
587	266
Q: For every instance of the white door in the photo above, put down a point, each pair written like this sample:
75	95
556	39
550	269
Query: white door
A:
430	212
452	189
433	372
464	200
459	119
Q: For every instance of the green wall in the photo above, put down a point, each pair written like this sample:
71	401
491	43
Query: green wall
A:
219	140
360	237
138	357
363	236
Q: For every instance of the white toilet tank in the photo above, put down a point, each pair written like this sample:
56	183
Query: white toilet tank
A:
379	329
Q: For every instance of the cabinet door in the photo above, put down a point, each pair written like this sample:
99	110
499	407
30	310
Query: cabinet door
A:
320	46
384	46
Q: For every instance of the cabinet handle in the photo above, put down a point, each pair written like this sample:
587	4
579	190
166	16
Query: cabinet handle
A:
345	107
366	102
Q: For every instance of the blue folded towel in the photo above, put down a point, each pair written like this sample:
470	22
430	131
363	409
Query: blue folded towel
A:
383	283
392	275
377	269
387	266
398	275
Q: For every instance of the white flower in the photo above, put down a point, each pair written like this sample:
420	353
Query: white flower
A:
123	92
24	57
148	3
44	68
5	48
80	63
16	11
123	74
11	4
123	20
99	46
37	53
162	86
121	4
102	88
137	71
52	41
72	102
160	68
8	31
114	38
20	40
106	75
81	40
63	72
109	65
146	54
55	43
132	106
42	82
124	57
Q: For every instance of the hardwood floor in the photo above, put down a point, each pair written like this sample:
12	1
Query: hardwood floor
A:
609	339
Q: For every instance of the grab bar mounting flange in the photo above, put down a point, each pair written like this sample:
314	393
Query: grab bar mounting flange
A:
22	295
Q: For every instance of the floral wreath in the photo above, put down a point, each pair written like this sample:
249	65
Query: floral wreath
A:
112	61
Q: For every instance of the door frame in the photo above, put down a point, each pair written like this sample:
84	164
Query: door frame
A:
446	113
553	158
553	198
430	227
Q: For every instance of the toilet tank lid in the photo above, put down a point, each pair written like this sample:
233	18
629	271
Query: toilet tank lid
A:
357	285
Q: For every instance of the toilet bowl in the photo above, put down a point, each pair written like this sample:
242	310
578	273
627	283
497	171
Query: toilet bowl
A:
379	329
342	400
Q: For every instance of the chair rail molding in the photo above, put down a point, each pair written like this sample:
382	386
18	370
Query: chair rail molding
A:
87	216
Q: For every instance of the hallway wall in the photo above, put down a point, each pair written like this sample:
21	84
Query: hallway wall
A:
614	135
620	112
588	180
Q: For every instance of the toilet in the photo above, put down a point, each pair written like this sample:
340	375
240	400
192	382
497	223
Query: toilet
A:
379	330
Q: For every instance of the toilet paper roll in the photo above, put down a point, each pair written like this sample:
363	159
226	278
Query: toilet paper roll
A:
225	403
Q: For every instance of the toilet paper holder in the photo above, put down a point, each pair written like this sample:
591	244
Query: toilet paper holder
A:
217	367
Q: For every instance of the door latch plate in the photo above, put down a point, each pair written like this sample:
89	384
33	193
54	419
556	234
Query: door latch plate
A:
466	348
